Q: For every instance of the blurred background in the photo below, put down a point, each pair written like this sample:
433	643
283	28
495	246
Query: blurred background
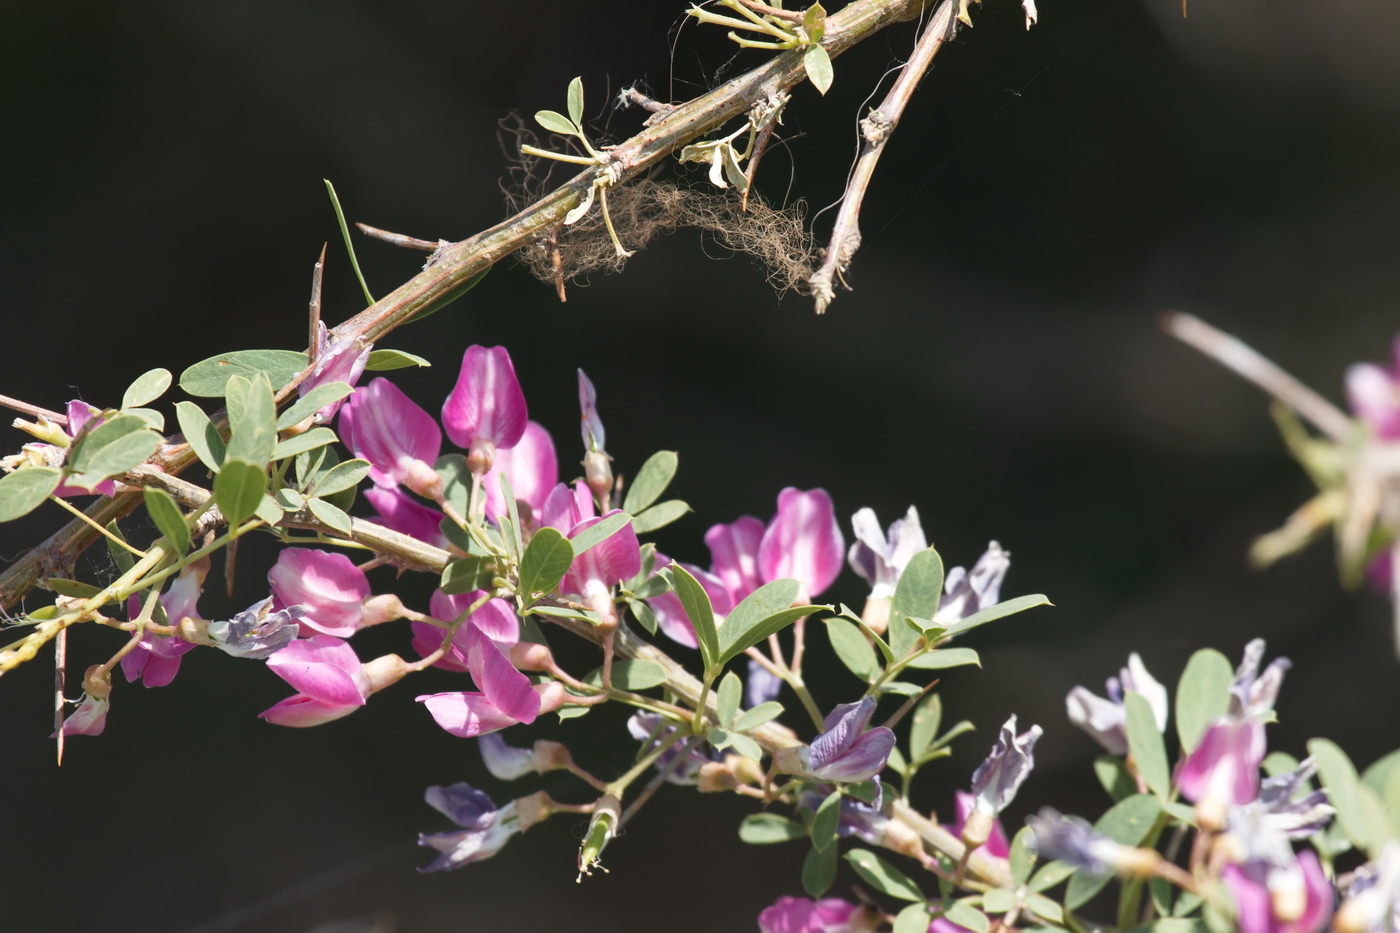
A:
999	364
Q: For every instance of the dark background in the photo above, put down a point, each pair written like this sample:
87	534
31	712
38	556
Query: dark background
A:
999	364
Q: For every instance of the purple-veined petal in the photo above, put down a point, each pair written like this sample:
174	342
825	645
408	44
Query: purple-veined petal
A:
996	780
324	668
880	559
803	541
594	437
734	555
326	584
486	402
969	592
846	750
400	440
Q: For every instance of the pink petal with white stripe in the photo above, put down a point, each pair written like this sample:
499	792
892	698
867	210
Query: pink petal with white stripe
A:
487	402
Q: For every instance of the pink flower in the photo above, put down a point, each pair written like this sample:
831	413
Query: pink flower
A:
401	512
1374	393
79	414
486	409
803	541
596	571
505	698
531	467
399	439
1295	898
330	680
734	555
495	619
963	804
803	915
90	718
156	660
337	360
330	589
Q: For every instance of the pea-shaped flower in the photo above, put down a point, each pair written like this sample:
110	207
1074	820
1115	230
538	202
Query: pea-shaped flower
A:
486	409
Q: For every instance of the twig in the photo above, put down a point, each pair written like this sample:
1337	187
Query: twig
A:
454	268
763	9
399	239
33	411
1233	353
876	130
317	272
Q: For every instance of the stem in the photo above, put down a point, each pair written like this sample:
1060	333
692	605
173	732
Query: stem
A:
876	130
1233	353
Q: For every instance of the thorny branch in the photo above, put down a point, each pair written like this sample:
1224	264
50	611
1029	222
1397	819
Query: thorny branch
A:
453	268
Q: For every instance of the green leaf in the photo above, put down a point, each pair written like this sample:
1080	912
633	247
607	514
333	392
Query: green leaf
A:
148	387
452	295
814	22
696	603
74	589
1022	856
22	491
239	488
763	829
1145	744
644	615
513	541
112	447
915	918
998	900
269	511
301	443
851	647
168	520
207	378
312	402
1202	694
660	515
826	820
290	500
599	532
651	481
555	122
1276	763
727	698
385	360
563	612
456	481
901	687
923	725
631	675
341	476
544	562
1114	777
345	236
467	574
916	594
817	63
999	611
576	101
1360	810
154	419
120	555
1050	875
944	658
1127	822
1046	909
882	876
254	436
1375	775
819	870
201	435
329	515
760	614
763	712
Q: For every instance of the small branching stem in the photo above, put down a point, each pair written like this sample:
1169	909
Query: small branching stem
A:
875	130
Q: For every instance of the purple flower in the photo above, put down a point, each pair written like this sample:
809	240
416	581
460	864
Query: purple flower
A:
256	633
329	679
90	718
1374	393
1295	815
400	440
803	915
505	762
803	542
966	592
880	559
1072	840
1253	693
532	469
79	414
847	751
1294	898
596	571
485	411
996	780
495	619
505	697
485	829
651	729
1104	719
761	685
